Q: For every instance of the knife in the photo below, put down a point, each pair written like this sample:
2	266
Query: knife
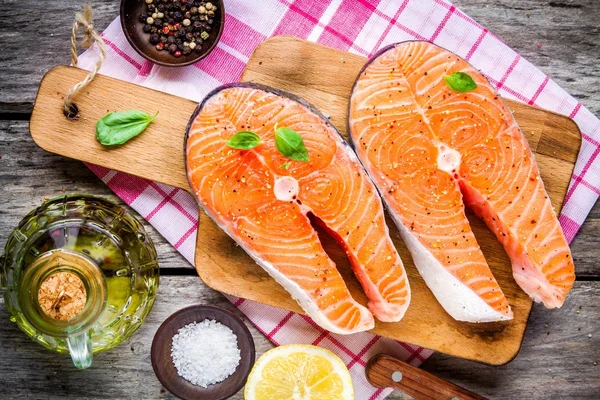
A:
386	371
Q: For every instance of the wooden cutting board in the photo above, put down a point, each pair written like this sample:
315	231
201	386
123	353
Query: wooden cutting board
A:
324	77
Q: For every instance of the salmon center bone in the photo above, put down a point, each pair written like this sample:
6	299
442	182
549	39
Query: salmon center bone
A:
448	159
286	188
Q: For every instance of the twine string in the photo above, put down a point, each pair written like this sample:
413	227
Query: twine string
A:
90	36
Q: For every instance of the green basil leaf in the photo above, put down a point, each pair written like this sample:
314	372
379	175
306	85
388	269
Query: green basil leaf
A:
244	140
290	144
460	82
118	127
285	166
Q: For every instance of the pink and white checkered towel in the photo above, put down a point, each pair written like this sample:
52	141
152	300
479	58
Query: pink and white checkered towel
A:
358	26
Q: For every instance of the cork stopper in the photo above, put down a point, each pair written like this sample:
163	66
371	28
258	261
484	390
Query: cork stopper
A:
62	295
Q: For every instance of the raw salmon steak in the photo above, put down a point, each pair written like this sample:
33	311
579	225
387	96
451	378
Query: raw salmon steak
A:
431	151
265	207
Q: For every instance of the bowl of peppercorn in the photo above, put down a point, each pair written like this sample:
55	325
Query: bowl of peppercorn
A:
173	32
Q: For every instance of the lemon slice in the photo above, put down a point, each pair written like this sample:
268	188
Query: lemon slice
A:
299	372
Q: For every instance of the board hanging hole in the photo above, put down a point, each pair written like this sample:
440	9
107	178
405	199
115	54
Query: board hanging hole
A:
72	112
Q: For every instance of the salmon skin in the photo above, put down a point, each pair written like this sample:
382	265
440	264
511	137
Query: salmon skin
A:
430	152
265	207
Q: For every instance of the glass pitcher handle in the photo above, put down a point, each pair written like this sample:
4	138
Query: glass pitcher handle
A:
80	347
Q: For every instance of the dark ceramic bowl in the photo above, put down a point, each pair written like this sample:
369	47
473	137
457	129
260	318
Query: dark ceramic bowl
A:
139	40
166	372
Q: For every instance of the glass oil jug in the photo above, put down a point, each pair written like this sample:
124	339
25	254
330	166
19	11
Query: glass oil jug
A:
79	275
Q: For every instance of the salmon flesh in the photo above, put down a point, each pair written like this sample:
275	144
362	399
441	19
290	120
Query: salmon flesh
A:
265	207
431	151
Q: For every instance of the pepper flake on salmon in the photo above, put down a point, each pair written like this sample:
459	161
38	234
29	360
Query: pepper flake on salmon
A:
430	150
265	208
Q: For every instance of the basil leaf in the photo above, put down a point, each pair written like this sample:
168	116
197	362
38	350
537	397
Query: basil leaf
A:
285	166
118	127
460	82
290	144
244	140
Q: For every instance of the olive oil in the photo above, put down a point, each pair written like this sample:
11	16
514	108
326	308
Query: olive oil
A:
105	247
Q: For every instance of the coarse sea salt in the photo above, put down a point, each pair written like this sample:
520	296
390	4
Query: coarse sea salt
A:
205	352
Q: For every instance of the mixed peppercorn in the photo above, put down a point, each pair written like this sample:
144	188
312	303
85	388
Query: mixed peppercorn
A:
178	26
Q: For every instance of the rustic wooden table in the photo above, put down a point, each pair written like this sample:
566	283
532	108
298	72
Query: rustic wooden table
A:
561	348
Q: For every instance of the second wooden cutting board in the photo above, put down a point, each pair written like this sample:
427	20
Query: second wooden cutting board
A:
324	77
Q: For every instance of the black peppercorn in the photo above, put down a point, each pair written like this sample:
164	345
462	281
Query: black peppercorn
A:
154	38
169	32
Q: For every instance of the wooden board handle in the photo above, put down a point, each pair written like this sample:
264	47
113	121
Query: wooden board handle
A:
387	371
157	154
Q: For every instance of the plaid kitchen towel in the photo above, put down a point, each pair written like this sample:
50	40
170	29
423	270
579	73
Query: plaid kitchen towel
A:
358	26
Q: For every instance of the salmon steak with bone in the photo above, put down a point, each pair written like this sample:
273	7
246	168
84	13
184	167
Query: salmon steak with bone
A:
432	149
265	202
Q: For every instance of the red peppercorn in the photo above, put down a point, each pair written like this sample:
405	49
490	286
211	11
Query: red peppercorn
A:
165	29
177	53
160	46
177	26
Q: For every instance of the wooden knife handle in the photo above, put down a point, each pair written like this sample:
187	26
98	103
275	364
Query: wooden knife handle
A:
387	371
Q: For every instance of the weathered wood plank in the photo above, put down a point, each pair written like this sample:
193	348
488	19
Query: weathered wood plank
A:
558	364
28	174
35	37
558	359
